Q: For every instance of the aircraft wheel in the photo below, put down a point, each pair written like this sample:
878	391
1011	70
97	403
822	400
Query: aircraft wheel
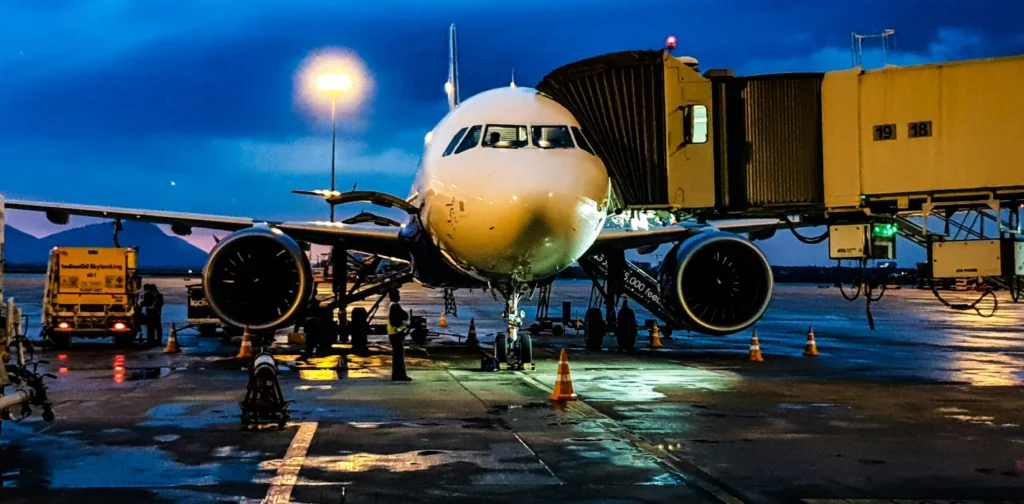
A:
501	348
625	330
525	349
557	330
358	327
594	329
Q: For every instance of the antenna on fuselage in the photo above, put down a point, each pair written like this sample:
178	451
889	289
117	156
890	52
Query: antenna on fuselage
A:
451	87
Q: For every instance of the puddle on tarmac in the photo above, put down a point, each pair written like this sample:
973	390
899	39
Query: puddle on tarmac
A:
494	460
68	462
190	415
640	386
803	406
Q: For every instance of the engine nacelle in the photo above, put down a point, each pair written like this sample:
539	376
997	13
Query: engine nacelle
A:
718	283
257	278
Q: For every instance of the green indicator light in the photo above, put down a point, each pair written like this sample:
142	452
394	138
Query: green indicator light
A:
885	230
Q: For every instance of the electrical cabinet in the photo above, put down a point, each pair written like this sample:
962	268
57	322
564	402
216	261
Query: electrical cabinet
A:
966	258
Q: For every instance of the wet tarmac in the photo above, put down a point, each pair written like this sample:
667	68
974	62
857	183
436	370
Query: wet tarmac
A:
929	406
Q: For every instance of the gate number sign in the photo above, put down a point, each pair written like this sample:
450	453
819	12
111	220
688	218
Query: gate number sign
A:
885	132
918	129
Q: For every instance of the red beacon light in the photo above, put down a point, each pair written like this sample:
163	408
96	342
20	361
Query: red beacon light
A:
670	42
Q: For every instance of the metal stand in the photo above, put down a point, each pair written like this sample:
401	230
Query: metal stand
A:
264	403
339	286
450	306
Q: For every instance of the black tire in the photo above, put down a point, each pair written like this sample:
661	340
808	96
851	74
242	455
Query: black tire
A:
625	330
594	329
557	330
122	340
501	348
61	340
534	329
525	349
419	335
359	327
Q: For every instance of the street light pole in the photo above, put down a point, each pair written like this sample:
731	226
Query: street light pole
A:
334	135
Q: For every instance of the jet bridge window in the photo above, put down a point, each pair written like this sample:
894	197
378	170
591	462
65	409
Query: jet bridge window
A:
454	142
552	137
470	140
582	140
504	136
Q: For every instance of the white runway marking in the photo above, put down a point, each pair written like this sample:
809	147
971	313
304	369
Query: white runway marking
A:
280	491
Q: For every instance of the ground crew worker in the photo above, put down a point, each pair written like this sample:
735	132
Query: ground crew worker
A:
146	304
154	324
398	322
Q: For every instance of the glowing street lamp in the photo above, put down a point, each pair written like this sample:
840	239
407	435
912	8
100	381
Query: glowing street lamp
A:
334	83
334	75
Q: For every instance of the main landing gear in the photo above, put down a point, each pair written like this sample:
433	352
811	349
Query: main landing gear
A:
516	348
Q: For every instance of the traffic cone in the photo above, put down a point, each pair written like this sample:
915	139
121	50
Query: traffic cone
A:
172	341
471	339
655	336
246	351
443	321
755	349
811	350
563	384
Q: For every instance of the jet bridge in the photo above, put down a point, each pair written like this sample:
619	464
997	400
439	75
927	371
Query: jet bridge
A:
861	151
888	140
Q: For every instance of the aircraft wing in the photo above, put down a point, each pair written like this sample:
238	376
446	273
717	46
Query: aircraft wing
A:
629	239
370	239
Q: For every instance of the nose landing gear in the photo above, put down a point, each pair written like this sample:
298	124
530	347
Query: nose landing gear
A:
516	349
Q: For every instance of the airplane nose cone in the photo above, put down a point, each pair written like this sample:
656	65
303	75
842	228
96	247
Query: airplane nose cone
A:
528	236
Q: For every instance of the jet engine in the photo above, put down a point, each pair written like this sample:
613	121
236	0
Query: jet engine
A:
716	282
257	278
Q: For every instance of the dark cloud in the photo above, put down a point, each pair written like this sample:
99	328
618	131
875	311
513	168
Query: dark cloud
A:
96	94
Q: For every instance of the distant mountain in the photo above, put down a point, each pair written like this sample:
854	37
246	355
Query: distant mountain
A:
156	249
22	248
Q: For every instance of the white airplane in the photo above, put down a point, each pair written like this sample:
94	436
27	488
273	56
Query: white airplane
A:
508	193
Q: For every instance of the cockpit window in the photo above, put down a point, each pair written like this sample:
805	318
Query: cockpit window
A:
454	142
504	136
552	137
582	140
470	140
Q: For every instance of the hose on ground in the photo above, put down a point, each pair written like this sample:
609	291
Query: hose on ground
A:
968	306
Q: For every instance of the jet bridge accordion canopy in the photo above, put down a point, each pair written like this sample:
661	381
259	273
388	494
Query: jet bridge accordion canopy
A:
619	100
759	144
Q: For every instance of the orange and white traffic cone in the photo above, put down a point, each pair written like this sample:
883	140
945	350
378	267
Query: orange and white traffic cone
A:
443	321
755	349
246	351
811	350
655	336
471	340
563	383
172	341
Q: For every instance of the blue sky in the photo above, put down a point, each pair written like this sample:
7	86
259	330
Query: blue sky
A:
109	101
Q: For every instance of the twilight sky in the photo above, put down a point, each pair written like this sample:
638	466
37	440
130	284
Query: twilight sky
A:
109	101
